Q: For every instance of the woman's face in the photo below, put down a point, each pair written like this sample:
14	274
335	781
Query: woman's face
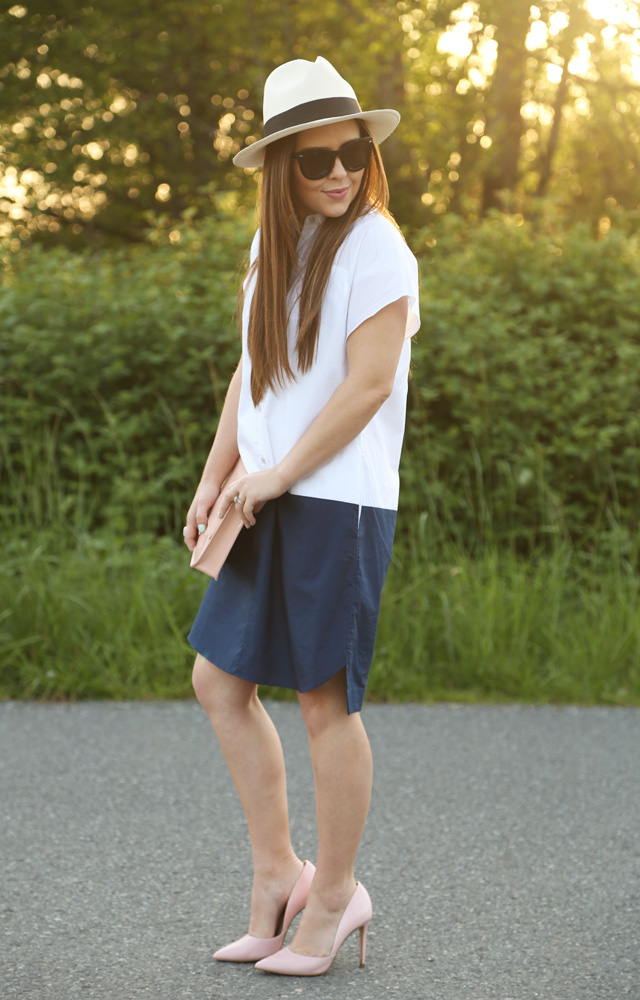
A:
331	195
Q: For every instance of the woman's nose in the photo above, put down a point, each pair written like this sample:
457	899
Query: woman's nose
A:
337	169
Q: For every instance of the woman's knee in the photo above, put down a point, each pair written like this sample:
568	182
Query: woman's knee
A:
202	678
326	705
217	691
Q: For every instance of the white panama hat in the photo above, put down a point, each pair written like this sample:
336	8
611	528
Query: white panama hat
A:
299	95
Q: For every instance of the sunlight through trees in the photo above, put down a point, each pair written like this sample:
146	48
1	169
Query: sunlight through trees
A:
114	118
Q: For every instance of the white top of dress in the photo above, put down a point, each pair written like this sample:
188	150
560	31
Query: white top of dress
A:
373	268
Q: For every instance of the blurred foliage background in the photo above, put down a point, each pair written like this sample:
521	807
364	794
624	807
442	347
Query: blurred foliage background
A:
112	113
124	230
523	416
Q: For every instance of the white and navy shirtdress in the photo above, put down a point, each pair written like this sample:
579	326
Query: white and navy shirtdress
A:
299	595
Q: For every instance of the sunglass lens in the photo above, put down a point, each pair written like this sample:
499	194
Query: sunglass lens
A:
355	155
316	163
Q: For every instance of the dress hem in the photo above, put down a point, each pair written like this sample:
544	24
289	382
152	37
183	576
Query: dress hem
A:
351	709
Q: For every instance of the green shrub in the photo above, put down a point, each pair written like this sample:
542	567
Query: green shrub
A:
113	372
523	419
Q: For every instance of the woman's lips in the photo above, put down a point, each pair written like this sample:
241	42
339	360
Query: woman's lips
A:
337	193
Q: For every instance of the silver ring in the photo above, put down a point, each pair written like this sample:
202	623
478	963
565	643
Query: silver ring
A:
237	500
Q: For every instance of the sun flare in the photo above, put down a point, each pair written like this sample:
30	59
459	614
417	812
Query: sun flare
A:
611	11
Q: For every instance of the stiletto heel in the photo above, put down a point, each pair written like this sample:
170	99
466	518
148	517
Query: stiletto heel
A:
250	948
363	943
356	917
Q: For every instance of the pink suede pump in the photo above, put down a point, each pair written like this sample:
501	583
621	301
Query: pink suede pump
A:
356	917
250	948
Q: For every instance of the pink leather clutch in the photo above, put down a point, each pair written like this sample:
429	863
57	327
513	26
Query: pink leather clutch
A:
215	543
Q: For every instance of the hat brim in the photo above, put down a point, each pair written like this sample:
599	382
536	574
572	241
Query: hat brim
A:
381	124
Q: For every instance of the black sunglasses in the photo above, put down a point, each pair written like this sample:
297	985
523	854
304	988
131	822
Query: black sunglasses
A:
318	162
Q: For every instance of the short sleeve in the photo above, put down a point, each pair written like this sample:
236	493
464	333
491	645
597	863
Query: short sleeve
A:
384	270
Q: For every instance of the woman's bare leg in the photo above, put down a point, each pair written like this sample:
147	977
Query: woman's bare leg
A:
253	752
342	768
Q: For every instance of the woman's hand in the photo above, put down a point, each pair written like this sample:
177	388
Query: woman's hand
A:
253	492
198	516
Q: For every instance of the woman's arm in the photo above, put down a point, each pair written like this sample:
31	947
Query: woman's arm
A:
373	352
222	458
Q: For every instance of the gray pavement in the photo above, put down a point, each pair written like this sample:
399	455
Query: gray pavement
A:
502	854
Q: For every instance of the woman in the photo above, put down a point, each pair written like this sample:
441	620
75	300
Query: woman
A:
316	412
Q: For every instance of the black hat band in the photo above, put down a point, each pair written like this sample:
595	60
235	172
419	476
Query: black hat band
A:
312	111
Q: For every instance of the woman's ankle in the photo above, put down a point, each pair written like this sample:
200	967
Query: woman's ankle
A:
272	869
269	896
334	894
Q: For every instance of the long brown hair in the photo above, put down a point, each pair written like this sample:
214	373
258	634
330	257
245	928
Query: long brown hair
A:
276	264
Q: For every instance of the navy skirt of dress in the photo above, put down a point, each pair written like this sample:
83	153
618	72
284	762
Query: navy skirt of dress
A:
299	595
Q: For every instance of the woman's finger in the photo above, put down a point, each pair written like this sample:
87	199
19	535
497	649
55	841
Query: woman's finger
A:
241	494
243	505
236	496
190	531
202	515
189	537
227	500
247	513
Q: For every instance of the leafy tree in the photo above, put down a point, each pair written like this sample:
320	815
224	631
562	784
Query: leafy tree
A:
504	122
114	117
542	86
114	112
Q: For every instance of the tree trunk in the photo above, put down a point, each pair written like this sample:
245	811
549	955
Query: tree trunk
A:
577	25
504	121
546	159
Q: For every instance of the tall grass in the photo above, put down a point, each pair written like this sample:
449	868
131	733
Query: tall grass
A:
106	616
560	626
94	616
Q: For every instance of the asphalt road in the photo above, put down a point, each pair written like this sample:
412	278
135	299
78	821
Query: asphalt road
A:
502	854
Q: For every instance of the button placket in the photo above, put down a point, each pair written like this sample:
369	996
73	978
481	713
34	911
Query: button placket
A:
264	449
